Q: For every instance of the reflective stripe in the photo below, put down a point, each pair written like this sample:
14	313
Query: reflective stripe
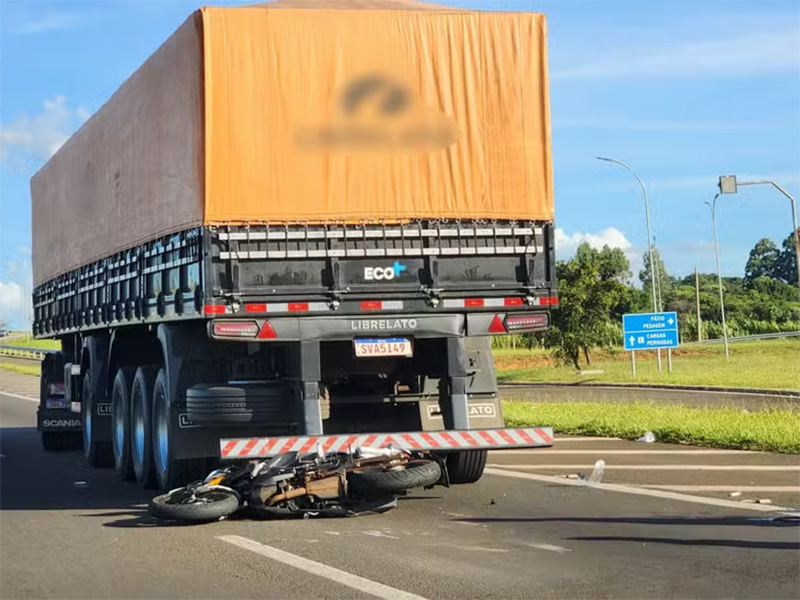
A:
532	437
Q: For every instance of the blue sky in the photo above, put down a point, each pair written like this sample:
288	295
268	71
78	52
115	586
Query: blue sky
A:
681	90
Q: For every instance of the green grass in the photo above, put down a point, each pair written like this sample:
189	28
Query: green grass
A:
768	430
24	369
22	342
767	364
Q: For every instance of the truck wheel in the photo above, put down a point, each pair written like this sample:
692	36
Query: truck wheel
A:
98	454
466	466
170	472
141	401
121	423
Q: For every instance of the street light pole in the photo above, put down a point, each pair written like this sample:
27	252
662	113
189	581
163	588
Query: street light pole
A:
713	206
728	185
653	268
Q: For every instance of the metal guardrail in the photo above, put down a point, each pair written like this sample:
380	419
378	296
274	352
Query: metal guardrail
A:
25	352
759	336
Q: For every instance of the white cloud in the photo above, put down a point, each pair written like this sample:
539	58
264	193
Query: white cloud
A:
566	244
757	53
36	137
48	22
12	303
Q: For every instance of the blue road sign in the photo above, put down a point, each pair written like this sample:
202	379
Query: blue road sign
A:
650	331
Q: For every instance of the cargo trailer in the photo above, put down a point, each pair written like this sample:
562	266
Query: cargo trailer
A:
299	224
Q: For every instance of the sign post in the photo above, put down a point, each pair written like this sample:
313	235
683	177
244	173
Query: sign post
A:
649	331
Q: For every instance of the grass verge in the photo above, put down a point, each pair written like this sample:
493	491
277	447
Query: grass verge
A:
773	430
767	364
22	342
24	369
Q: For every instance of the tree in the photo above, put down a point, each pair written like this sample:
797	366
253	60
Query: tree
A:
763	261
664	281
786	262
593	294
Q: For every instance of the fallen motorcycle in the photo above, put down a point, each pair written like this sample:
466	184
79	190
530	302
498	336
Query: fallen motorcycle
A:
291	485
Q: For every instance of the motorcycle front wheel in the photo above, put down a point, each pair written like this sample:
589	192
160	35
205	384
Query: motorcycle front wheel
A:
194	507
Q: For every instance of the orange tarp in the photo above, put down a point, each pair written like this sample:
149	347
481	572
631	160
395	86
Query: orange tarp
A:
468	135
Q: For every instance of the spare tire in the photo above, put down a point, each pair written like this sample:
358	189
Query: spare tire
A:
243	403
417	473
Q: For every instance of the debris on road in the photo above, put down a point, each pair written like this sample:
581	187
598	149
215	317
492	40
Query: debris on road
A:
648	438
597	474
735	494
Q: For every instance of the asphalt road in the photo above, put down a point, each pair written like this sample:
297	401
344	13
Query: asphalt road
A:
506	537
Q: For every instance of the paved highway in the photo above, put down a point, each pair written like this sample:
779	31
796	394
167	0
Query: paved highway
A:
522	532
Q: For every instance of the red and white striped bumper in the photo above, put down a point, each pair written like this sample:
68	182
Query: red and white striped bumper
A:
495	439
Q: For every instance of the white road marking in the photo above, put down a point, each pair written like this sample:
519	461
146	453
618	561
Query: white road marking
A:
560	440
380	534
18	397
637	451
640	491
549	547
654	467
727	488
477	548
320	570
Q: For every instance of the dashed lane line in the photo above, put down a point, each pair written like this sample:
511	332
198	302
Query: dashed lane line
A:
18	397
639	491
355	582
775	489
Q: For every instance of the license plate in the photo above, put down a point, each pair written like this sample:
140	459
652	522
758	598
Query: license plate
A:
378	348
57	403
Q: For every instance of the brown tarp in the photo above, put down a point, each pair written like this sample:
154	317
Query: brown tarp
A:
319	115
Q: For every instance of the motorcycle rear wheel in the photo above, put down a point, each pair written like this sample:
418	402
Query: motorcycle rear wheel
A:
179	505
415	474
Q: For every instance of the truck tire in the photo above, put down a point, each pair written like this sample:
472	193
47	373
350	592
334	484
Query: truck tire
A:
466	466
170	471
224	404
121	423
141	420
417	473
97	454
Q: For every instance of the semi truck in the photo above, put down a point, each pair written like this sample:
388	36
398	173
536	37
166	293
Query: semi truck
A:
299	225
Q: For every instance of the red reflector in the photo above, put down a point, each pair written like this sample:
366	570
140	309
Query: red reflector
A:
496	326
214	309
255	308
473	303
518	322
235	329
298	306
513	302
267	332
371	305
